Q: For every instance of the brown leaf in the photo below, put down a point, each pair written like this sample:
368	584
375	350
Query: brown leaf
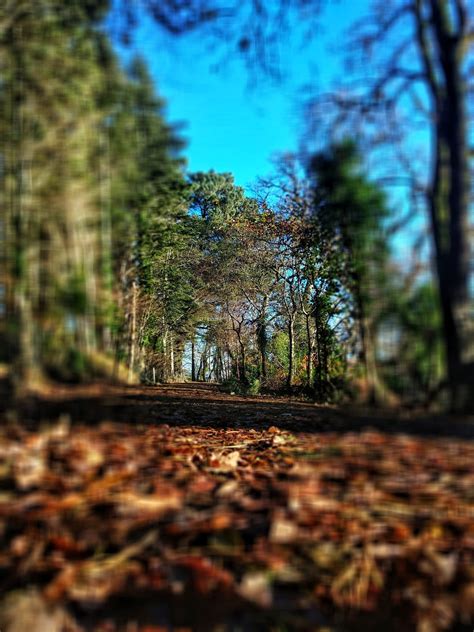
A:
26	610
283	530
255	586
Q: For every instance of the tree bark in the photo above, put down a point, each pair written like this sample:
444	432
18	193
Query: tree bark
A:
367	343
133	333
193	361
262	339
172	367
309	349
291	352
243	372
449	200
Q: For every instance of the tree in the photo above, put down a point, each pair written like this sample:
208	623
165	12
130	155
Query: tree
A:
351	210
148	214
220	211
443	44
308	264
428	72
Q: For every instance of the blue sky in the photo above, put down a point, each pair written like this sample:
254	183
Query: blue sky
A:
233	121
236	122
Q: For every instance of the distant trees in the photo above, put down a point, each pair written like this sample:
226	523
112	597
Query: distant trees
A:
279	276
296	289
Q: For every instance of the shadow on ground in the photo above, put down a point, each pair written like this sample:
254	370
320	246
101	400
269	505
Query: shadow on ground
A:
205	405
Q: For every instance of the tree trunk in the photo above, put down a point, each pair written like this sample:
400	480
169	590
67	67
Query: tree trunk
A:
203	365
309	350
449	207
241	359
291	352
106	247
172	367
24	359
198	375
243	372
232	364
318	375
193	361
367	345
133	333
262	339
262	347
165	353
25	368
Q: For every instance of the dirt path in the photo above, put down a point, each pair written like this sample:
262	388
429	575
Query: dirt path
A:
208	406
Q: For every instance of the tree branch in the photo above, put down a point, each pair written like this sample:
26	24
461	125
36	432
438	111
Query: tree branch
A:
423	45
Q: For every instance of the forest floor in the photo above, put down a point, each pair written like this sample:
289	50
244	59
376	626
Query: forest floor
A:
181	507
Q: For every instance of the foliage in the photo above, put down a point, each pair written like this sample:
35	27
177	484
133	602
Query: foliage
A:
352	211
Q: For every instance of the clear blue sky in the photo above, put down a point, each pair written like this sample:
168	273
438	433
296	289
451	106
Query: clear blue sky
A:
234	121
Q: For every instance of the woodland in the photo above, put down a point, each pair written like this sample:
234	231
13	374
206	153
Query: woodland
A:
226	408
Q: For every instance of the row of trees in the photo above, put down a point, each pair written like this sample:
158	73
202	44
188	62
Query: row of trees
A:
295	288
91	187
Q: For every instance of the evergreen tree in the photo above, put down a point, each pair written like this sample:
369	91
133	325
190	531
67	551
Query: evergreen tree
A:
351	211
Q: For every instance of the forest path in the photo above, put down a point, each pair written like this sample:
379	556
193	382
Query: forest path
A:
207	405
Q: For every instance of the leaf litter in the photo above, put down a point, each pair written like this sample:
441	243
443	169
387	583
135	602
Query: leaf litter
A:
271	530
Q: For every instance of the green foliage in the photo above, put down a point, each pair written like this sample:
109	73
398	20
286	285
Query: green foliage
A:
217	199
68	364
279	351
351	210
418	358
254	386
72	294
94	183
